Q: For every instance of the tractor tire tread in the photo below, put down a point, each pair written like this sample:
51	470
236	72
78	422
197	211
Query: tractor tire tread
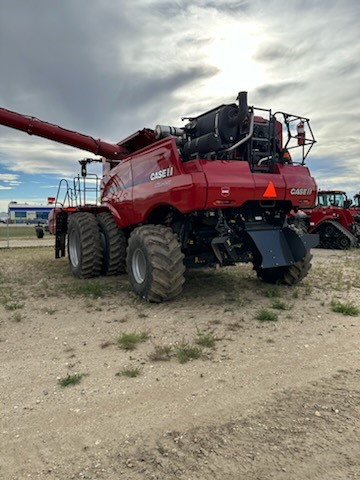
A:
90	262
166	262
290	275
114	256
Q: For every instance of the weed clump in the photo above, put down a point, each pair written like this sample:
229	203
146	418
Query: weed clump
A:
205	339
345	308
279	305
186	352
266	316
13	305
90	289
71	379
273	292
129	341
130	372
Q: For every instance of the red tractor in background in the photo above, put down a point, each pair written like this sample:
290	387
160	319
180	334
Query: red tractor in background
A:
333	220
216	191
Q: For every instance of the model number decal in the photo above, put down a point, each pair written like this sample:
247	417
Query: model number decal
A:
301	191
165	172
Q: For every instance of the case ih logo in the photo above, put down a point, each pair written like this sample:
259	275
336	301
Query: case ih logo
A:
301	191
166	172
225	191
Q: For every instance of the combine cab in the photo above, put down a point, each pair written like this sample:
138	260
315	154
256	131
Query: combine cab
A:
215	191
333	220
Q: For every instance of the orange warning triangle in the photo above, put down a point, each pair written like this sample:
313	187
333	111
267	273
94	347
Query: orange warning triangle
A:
270	191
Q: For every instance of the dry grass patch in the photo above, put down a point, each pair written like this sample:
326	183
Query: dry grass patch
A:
130	372
161	353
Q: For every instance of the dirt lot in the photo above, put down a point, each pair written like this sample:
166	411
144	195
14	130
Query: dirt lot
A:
274	399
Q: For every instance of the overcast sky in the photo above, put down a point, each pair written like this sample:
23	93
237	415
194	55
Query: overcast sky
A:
107	68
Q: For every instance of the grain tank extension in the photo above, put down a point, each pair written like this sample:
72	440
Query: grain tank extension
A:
215	191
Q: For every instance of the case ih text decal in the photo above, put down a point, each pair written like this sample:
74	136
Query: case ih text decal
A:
301	191
166	172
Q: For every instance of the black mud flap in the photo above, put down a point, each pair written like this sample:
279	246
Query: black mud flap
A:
60	234
282	247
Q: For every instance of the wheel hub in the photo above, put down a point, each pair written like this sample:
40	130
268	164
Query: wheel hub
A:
139	266
74	249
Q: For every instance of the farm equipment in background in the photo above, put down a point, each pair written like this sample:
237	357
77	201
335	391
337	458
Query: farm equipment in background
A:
40	229
215	191
355	208
333	220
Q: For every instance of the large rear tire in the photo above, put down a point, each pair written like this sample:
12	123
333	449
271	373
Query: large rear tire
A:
84	248
155	263
289	275
113	243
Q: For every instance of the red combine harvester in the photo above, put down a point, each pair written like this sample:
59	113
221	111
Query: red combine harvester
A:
216	191
333	220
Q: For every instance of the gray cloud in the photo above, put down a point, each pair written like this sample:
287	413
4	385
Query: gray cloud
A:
96	72
270	92
229	6
278	52
181	7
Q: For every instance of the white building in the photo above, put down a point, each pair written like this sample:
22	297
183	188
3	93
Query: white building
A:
28	213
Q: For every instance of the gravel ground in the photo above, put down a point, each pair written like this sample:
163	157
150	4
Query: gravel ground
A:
21	243
268	400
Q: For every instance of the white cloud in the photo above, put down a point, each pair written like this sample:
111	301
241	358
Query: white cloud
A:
8	177
8	181
41	157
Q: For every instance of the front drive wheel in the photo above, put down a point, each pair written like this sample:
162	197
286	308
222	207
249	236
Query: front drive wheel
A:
155	263
84	248
286	275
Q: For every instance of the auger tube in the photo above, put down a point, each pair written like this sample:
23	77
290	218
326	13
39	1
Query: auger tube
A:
34	126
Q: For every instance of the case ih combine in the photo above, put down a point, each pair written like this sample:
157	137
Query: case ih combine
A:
333	220
217	190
